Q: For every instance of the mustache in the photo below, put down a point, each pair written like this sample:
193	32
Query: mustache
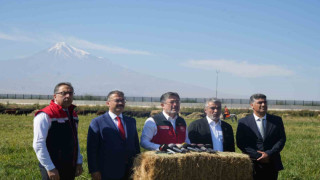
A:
120	105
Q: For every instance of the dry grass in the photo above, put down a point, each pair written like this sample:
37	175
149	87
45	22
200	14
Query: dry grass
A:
202	166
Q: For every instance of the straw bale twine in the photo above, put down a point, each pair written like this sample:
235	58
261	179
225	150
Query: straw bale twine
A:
200	166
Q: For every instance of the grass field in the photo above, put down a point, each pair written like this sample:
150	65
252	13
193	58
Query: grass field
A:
301	154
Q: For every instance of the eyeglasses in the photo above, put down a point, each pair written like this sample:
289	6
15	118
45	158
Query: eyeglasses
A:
172	102
63	93
262	102
119	100
215	108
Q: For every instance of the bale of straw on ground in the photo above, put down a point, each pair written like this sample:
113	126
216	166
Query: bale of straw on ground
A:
200	166
195	115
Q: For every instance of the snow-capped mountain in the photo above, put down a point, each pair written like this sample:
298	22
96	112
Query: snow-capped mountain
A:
89	74
63	50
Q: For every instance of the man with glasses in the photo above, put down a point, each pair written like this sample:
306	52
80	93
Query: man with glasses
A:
211	130
166	127
262	137
56	136
112	141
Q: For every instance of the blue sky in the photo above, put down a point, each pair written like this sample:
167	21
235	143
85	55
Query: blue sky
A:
272	47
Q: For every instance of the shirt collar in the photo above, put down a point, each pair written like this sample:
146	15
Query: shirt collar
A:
168	117
113	115
210	121
256	117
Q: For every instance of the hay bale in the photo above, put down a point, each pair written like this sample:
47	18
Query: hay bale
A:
195	115
242	115
200	166
154	112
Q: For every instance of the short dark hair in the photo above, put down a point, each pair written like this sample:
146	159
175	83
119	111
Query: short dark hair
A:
56	88
257	96
166	95
120	93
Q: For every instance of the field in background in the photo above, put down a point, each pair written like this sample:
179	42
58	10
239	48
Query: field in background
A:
18	161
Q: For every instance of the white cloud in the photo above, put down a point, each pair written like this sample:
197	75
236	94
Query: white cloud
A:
15	37
243	69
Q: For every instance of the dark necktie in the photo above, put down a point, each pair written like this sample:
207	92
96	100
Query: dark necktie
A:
121	129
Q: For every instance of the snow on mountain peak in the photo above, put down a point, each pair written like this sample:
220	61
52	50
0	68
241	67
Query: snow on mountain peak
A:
67	51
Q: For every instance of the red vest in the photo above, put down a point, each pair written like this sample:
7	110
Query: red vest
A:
62	140
165	132
55	111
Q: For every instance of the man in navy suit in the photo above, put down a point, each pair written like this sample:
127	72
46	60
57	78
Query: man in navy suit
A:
112	141
262	137
211	130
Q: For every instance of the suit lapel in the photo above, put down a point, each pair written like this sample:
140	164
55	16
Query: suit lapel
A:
111	124
269	125
224	132
253	126
127	124
207	131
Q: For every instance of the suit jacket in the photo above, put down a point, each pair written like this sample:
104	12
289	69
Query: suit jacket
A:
249	139
199	133
107	152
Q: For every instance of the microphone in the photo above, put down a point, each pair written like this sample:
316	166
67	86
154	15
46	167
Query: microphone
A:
180	146
165	148
169	151
189	147
204	148
196	147
175	148
210	148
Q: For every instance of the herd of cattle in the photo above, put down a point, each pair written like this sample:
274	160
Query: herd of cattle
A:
16	111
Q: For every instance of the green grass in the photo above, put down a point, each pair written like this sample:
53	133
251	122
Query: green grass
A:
301	155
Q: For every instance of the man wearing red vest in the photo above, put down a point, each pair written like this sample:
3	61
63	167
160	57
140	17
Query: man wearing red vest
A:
166	127
56	138
226	113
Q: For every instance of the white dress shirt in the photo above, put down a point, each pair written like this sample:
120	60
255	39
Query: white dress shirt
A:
150	130
115	121
261	124
41	126
216	134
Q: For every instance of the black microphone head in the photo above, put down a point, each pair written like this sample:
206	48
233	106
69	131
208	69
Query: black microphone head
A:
163	147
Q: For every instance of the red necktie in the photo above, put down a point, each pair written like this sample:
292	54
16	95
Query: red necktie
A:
121	129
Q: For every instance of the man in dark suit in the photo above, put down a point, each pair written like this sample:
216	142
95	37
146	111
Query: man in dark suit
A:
211	130
262	137
112	141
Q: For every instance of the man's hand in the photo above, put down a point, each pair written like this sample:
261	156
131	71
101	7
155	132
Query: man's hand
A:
53	174
79	169
96	175
264	158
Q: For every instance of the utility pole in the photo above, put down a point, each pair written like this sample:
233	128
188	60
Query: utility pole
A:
217	71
